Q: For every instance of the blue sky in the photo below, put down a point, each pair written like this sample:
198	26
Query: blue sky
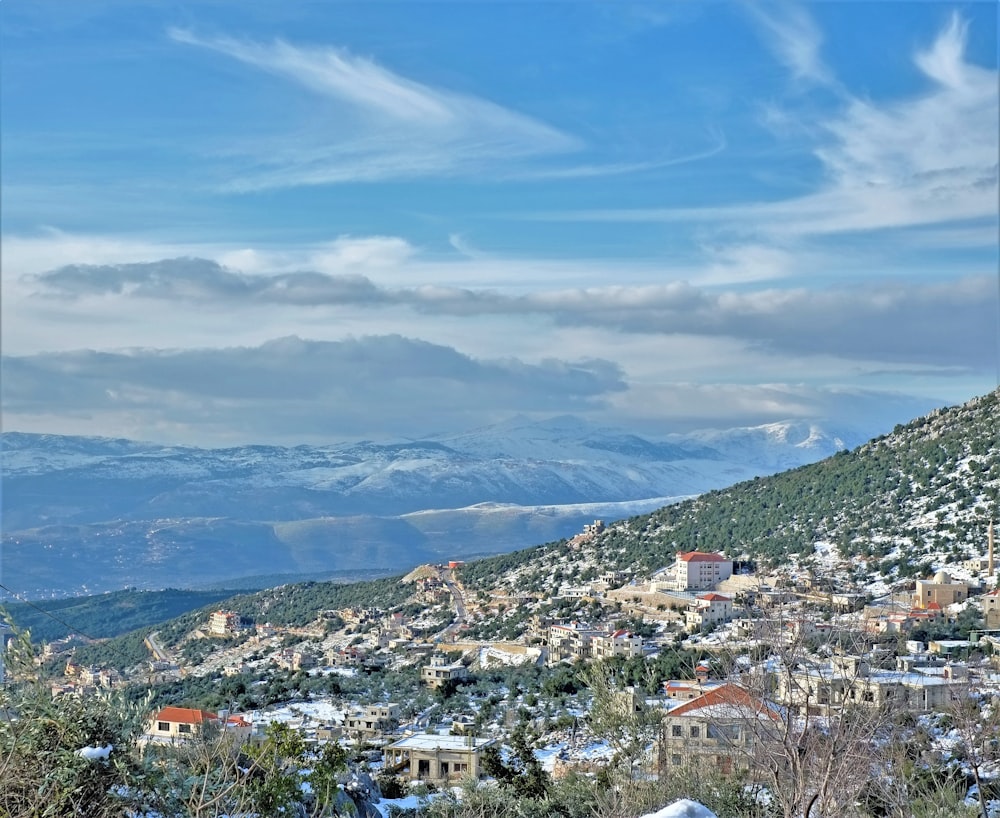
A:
315	221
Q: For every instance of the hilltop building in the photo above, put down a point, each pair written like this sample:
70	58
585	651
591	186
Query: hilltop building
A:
696	571
226	623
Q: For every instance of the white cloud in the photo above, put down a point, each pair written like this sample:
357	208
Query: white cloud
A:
794	37
387	126
926	160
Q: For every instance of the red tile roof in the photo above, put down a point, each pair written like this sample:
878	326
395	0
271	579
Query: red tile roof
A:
727	694
185	715
698	556
712	597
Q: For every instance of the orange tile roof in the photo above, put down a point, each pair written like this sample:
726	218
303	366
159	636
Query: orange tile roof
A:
712	597
185	715
727	694
699	556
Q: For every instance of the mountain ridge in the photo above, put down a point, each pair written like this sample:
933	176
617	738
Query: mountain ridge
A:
129	513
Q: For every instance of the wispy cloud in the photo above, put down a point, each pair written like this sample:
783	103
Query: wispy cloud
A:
929	159
389	126
794	37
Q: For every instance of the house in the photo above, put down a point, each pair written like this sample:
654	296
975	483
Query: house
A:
726	728
440	671
294	660
618	643
183	723
571	641
374	721
850	680
708	610
698	571
991	608
437	758
939	589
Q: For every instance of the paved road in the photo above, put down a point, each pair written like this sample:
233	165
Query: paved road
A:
159	654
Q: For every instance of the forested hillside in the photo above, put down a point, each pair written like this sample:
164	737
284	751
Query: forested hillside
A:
921	495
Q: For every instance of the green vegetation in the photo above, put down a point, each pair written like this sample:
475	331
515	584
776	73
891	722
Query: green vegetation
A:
944	468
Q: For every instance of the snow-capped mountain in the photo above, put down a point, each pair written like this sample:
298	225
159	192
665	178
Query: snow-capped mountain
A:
101	513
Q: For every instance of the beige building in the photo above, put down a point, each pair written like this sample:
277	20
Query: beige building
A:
373	721
697	571
849	680
707	610
619	643
440	671
172	724
226	623
991	608
437	758
571	641
723	729
941	590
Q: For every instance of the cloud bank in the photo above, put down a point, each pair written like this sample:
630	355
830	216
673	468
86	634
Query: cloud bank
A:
297	389
941	324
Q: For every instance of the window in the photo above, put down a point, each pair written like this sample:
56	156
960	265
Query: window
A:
695	732
675	760
183	728
676	731
163	726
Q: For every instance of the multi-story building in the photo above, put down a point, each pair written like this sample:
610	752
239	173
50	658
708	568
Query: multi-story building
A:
374	721
571	641
727	728
850	680
226	623
697	571
618	643
440	671
708	610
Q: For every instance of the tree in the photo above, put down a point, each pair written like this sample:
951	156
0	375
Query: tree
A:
64	755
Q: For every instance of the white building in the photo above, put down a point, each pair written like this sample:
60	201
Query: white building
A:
707	610
620	643
697	571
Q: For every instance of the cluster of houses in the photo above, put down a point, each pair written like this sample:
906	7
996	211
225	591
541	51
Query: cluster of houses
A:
710	719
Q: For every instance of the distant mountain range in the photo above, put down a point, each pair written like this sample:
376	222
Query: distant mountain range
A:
84	515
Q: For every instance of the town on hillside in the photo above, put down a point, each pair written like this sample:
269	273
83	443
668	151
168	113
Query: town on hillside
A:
707	664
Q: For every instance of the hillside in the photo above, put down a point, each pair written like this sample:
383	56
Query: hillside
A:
107	615
899	505
921	496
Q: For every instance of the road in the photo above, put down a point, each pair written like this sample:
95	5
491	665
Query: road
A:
448	578
159	654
